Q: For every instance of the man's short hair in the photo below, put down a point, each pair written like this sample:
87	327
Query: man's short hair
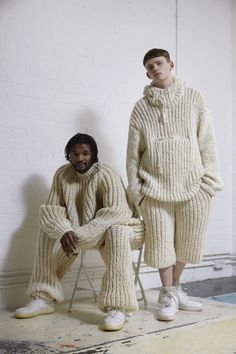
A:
156	52
80	138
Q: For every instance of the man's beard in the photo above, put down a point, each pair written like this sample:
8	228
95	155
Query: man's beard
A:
81	167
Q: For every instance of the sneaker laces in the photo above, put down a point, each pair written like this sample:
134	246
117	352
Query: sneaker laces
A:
183	294
166	300
114	313
37	300
33	300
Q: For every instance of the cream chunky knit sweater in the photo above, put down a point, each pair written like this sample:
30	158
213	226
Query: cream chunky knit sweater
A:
86	203
171	150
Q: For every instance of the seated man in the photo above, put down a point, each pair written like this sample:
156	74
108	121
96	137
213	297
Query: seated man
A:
86	209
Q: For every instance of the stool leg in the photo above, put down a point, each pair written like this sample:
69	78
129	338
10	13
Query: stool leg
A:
137	278
76	287
137	267
77	279
90	283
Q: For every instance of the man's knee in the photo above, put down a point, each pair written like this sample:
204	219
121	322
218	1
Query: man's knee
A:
118	230
117	235
134	234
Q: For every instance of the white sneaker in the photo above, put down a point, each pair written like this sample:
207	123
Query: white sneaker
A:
35	307
185	303
168	304
114	321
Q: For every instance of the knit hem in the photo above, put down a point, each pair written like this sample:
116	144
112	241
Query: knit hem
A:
163	195
45	291
103	306
195	260
151	261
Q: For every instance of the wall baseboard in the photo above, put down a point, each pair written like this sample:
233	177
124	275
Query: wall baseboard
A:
13	284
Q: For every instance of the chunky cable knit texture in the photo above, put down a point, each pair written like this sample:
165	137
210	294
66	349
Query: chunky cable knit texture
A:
94	206
117	256
171	146
86	203
175	231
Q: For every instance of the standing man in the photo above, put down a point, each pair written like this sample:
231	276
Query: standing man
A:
86	209
173	173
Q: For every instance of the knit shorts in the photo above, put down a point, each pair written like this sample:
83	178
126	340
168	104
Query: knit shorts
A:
175	231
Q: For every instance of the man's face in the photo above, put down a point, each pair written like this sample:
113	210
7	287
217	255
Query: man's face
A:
81	157
159	69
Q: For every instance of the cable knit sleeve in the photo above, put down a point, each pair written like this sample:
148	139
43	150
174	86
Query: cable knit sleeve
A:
114	208
53	217
135	148
211	180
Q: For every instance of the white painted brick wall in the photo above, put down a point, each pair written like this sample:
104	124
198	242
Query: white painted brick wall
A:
206	65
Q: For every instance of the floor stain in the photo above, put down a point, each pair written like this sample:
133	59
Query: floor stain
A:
24	347
72	346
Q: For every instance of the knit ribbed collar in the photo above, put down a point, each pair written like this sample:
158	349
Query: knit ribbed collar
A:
164	97
90	173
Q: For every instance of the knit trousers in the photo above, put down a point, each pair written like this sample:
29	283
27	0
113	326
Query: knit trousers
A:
175	231
117	289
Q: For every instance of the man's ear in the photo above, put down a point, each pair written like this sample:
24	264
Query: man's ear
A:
148	75
172	65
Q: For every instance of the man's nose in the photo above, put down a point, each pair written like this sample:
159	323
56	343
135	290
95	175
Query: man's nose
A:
80	157
155	67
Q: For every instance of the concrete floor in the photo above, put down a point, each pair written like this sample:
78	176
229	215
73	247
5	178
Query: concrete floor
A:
212	331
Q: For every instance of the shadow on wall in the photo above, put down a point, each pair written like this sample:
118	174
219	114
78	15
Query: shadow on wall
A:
91	123
20	256
21	252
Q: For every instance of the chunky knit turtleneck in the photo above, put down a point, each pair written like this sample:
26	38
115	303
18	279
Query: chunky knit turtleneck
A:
86	203
164	98
171	147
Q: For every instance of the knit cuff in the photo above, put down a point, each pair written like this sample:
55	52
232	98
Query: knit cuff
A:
206	188
134	196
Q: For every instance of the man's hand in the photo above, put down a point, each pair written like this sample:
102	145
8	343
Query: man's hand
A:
68	243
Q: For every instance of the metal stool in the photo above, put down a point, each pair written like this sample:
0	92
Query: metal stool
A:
137	280
92	288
